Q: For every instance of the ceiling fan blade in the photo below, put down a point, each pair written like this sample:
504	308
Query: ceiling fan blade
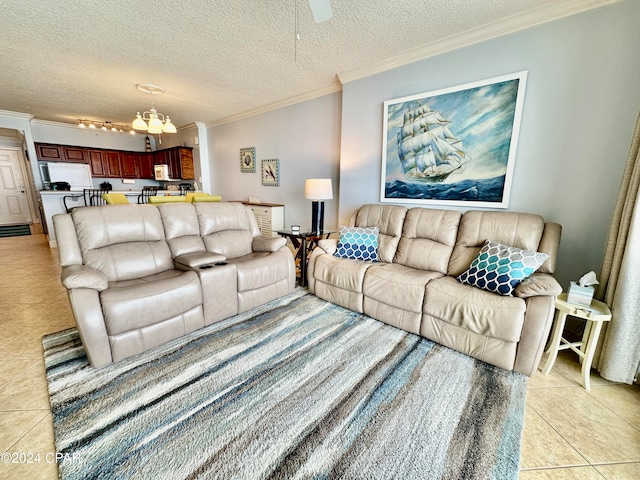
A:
321	10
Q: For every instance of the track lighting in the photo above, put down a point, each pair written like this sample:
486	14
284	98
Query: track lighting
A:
105	126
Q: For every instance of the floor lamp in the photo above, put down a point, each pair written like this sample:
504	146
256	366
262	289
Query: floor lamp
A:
317	189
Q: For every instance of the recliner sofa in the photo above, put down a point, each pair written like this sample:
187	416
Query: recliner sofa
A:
413	286
139	276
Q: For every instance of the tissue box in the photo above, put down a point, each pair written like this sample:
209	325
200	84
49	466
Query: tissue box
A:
580	295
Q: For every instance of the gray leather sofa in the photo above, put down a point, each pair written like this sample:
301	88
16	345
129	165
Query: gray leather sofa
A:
140	275
414	287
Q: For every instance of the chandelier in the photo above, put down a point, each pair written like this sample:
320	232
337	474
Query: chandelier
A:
157	122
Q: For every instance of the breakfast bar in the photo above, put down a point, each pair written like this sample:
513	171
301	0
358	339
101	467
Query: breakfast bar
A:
52	202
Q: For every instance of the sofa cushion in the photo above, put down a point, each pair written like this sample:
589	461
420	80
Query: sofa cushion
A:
122	241
98	227
397	285
358	243
226	228
522	230
389	220
499	268
257	270
141	302
472	309
428	237
125	261
342	273
181	228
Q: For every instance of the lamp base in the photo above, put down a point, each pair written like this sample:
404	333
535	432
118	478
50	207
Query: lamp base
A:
317	216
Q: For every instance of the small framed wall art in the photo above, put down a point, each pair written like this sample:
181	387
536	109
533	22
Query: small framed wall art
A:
248	160
271	172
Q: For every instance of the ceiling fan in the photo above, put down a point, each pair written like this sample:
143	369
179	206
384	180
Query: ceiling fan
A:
321	10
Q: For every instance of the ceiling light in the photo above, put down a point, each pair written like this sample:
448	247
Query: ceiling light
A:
105	125
157	122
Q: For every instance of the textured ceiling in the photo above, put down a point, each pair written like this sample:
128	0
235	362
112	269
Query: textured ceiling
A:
217	59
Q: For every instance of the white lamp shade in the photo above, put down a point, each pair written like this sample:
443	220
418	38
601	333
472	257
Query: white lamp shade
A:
155	124
139	123
169	127
318	189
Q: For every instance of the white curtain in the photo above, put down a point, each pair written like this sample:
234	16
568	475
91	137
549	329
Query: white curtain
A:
619	358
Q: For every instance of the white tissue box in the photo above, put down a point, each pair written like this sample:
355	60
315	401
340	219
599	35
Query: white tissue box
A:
580	295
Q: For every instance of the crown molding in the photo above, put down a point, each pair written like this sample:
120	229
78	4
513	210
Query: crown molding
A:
333	88
50	123
521	21
7	113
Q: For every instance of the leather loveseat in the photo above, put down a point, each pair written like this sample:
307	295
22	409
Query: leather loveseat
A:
414	284
139	276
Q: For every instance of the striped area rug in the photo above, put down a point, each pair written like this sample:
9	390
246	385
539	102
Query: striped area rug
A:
297	389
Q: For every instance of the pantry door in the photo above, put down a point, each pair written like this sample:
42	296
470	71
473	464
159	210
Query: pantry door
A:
14	208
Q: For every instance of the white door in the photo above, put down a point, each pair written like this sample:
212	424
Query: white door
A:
13	198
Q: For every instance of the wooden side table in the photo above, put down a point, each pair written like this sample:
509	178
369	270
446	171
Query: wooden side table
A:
304	242
595	315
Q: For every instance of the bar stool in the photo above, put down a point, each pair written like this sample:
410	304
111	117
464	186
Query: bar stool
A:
595	315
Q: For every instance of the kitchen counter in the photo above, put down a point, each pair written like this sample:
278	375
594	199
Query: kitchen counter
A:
52	204
126	192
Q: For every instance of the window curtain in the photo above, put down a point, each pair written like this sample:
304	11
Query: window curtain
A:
619	358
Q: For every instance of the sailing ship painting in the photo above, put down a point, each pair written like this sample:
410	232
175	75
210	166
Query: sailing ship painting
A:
428	150
454	146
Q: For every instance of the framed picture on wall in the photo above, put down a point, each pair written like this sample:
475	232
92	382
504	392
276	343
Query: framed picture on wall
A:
454	146
271	172
248	160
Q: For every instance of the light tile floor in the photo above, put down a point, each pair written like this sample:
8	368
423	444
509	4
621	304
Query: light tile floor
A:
569	433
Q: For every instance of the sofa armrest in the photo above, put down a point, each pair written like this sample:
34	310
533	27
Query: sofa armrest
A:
329	245
268	244
198	259
535	331
81	276
85	304
538	284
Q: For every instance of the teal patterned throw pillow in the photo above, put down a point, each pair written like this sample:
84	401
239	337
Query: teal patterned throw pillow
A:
358	243
499	268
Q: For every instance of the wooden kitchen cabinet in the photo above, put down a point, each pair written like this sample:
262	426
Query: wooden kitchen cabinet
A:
179	160
122	164
49	153
187	171
113	163
74	154
98	164
146	162
60	153
129	164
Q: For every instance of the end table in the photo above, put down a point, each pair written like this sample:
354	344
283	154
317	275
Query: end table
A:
304	243
595	315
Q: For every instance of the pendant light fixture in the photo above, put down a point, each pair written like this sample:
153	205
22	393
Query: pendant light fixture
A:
157	122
